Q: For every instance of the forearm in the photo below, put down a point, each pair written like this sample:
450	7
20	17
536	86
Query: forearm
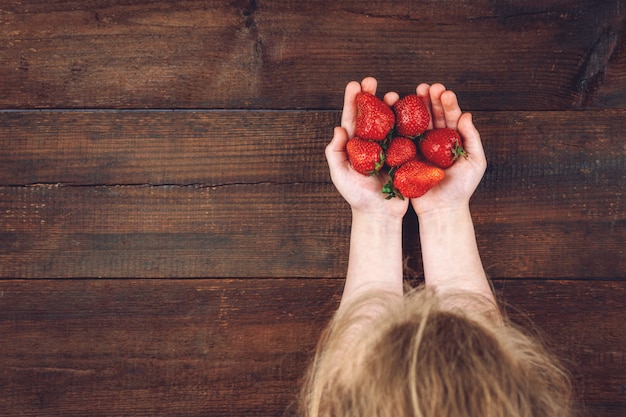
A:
375	259
450	253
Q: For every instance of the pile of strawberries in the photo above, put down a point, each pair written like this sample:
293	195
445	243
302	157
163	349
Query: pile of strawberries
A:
397	140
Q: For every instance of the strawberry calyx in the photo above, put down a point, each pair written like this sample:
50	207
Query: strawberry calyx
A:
458	151
391	192
379	164
389	189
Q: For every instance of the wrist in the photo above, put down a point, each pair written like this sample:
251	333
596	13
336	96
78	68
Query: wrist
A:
373	221
445	215
375	261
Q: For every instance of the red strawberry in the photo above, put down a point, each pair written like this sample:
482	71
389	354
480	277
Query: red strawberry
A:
412	116
366	157
442	146
399	151
374	119
413	179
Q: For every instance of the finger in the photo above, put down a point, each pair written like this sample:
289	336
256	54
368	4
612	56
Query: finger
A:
438	115
335	151
471	138
348	115
369	84
451	109
423	92
391	98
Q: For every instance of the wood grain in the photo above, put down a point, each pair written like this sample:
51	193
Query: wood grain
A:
549	55
144	194
239	347
525	150
179	148
600	304
264	230
170	240
140	347
172	231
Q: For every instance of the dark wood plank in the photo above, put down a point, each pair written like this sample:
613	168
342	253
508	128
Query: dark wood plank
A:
580	320
263	230
182	148
238	347
526	150
172	231
159	348
548	55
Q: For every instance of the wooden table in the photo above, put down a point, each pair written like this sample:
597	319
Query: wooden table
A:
170	240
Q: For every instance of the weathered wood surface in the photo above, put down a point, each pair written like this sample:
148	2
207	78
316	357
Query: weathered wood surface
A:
520	55
584	320
167	194
184	139
219	348
289	230
157	348
213	148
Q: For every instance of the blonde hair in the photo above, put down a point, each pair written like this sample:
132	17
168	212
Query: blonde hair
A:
431	356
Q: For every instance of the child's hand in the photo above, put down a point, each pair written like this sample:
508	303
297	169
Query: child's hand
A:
464	176
363	194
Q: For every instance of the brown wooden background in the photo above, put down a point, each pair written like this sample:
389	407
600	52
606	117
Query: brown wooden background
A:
170	241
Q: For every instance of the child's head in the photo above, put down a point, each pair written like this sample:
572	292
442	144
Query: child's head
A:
432	357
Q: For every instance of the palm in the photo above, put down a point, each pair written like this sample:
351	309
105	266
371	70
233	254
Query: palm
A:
364	193
457	187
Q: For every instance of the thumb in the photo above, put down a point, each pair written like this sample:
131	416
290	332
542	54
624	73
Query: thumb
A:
471	138
336	155
348	114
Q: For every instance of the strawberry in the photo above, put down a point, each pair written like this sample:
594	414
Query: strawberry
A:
399	151
413	179
374	119
442	146
412	116
366	157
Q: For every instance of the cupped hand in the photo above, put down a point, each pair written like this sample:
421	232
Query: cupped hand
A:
463	177
363	193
